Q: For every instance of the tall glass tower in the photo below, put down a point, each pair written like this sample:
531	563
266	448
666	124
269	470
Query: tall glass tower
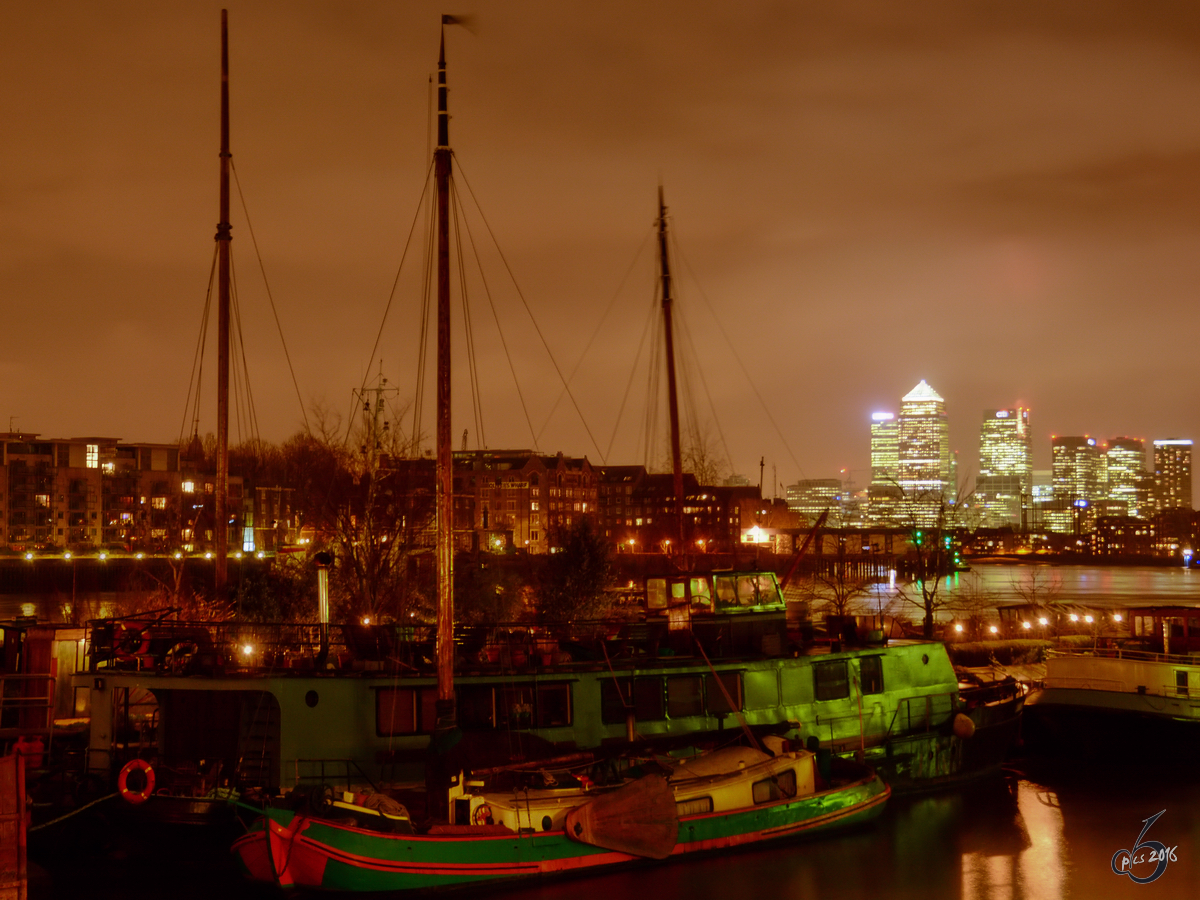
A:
1005	483
1173	474
924	460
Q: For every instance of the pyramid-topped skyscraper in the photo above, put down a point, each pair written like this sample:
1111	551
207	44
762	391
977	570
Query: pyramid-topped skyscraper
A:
925	466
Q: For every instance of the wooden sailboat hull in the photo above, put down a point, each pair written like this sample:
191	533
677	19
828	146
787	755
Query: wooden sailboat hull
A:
297	850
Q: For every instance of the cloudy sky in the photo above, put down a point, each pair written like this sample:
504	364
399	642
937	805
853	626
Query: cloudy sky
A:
1002	198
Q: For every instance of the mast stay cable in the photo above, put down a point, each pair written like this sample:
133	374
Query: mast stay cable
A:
528	311
270	297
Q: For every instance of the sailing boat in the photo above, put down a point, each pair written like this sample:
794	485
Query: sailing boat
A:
503	827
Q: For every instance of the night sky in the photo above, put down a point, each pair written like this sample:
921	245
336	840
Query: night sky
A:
1002	198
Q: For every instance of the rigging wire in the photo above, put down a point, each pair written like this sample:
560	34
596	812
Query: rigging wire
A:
632	372
496	318
653	381
741	364
426	320
468	329
250	413
270	297
696	432
198	359
528	311
611	303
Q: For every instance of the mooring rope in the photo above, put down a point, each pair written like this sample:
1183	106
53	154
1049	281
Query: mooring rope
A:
74	812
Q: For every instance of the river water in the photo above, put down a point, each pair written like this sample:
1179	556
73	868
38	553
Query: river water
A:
1016	839
1049	836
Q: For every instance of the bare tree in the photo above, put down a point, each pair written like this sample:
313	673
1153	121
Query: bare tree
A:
1037	586
372	507
700	456
836	584
973	602
932	519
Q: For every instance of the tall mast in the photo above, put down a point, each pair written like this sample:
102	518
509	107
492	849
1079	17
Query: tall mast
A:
221	524
672	391
446	715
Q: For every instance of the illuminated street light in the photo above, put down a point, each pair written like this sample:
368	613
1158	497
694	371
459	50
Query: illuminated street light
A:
1026	625
1043	621
1074	618
958	628
1088	619
993	629
1117	617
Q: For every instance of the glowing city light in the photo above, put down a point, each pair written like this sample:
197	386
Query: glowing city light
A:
1117	617
1043	621
958	628
993	629
1026	625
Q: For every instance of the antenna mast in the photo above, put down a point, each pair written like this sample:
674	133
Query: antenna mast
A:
221	515
446	714
672	389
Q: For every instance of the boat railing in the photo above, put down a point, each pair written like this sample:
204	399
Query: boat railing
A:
321	772
1122	653
160	644
922	714
26	702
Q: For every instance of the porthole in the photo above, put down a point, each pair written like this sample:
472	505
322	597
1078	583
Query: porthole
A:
311	698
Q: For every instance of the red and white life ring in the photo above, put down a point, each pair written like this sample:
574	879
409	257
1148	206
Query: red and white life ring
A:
481	815
128	794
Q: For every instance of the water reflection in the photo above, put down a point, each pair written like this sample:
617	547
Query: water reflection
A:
1019	839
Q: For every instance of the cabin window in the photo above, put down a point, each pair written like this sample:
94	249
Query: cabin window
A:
647	700
476	706
717	704
514	706
871	671
782	786
1181	683
405	711
553	705
831	681
656	593
685	696
695	807
701	596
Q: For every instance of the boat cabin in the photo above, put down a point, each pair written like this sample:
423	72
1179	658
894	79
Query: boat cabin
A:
1166	629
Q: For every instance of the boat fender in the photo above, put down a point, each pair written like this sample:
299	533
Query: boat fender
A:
964	726
482	815
129	794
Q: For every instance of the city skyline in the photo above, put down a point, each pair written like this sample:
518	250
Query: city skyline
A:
978	198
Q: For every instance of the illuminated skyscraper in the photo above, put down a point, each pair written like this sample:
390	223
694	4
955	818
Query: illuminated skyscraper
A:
924	461
883	493
1125	473
1076	466
1173	474
1005	482
885	449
